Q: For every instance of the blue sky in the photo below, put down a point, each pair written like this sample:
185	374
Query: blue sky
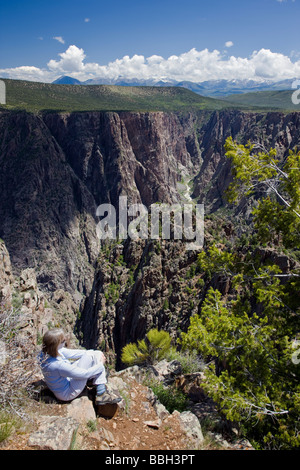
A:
187	39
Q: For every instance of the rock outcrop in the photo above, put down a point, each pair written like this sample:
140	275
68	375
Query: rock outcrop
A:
6	277
141	423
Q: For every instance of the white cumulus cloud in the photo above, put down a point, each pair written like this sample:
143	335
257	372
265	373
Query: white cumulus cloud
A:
194	65
72	60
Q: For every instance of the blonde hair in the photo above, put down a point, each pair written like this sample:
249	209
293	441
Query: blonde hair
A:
51	341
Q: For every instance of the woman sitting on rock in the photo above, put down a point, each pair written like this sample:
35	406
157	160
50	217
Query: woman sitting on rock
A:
66	371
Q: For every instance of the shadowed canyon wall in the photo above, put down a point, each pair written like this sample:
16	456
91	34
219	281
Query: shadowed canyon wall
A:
56	168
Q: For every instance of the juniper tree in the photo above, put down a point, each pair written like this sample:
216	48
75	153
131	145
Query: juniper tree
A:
249	336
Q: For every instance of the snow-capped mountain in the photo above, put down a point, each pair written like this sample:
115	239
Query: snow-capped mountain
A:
212	88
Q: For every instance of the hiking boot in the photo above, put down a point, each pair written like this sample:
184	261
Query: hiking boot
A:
107	398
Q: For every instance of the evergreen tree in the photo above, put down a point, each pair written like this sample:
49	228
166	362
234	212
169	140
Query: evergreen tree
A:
249	335
149	350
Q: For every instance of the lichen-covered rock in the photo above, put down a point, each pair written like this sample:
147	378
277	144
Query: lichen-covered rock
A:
166	371
54	433
81	409
191	426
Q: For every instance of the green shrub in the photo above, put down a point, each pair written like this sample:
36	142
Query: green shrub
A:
170	397
190	361
112	293
8	424
149	350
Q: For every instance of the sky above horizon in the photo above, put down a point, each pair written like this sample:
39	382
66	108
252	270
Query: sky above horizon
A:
181	40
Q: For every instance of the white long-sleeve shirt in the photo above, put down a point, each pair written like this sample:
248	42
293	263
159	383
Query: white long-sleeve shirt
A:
60	374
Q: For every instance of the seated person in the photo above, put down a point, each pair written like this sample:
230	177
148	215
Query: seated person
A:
66	371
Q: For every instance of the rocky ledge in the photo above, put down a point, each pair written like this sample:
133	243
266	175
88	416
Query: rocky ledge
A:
141	422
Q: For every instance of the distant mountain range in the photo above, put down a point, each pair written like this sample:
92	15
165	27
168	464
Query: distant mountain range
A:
210	88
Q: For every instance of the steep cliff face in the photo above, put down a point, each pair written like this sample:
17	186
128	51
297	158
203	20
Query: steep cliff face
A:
139	285
56	168
46	211
142	155
273	130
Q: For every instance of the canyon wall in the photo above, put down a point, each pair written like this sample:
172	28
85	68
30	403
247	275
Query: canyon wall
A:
56	168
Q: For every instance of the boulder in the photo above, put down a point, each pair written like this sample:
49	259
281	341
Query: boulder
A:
28	280
166	371
116	384
133	372
161	410
191	426
54	433
81	409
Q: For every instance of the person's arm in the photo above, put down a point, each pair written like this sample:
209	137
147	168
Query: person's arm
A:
72	353
72	371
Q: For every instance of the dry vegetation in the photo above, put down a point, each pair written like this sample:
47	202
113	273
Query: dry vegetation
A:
17	367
